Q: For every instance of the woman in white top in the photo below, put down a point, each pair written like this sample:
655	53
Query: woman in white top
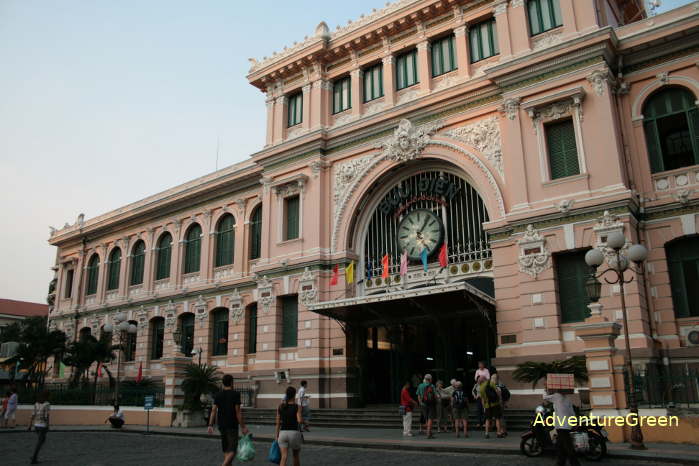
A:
40	421
116	419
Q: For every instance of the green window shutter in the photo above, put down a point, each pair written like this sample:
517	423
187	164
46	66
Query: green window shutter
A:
252	329
137	263
68	289
114	268
157	337
256	233
290	321
93	270
164	253
292	217
534	16
220	340
562	149
571	274
187	329
225	241
683	267
192	260
295	109
693	119
655	156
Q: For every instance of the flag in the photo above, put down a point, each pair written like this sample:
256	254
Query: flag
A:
443	260
404	263
139	377
349	273
423	257
61	370
368	270
335	276
99	369
384	264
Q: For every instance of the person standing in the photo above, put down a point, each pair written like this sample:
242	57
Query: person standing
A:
498	388
428	401
11	408
407	403
40	422
303	398
491	403
287	431
563	410
116	419
482	371
459	408
3	408
227	412
443	403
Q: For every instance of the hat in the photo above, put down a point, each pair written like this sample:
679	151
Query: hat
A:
428	377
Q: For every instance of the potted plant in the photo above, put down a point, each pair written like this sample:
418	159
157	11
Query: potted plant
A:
199	380
532	372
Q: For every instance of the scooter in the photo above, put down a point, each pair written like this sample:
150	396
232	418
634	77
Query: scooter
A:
590	441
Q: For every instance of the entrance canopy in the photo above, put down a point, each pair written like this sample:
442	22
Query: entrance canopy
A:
411	305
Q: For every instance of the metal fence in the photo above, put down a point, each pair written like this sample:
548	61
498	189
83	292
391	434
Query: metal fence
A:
100	395
247	392
658	386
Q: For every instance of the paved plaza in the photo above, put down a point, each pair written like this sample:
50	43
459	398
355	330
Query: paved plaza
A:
118	449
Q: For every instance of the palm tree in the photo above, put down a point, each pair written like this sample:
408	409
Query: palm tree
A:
199	379
532	371
37	345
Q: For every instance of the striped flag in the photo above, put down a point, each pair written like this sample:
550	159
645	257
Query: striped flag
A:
349	273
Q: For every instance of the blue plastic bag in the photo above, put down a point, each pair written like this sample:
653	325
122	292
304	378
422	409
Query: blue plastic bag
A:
275	453
246	449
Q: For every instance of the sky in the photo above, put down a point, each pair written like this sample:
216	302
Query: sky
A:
103	103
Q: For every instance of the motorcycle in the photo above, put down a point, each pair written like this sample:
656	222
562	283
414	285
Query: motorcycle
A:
590	441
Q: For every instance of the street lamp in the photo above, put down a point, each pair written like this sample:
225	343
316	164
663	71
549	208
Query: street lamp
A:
124	328
197	351
618	263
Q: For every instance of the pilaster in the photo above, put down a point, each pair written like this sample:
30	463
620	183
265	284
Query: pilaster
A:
270	103
149	261
307	103
513	29
424	66
463	57
280	105
502	25
389	82
357	90
568	16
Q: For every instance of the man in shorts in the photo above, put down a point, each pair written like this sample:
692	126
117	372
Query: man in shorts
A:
303	400
427	397
227	411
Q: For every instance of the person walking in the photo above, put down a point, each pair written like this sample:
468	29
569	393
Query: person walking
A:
428	402
407	404
40	421
287	431
459	409
11	408
443	403
116	419
564	411
303	398
491	403
227	412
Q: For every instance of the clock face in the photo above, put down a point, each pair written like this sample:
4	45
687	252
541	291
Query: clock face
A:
420	229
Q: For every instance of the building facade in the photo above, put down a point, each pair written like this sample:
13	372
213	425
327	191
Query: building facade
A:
432	176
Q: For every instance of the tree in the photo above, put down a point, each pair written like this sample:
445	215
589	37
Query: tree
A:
532	371
10	332
37	345
86	351
199	379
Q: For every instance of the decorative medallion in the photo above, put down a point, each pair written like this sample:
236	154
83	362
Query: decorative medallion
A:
534	257
408	141
235	303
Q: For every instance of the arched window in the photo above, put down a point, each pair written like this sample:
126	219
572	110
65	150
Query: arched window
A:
256	233
220	331
137	263
671	125
157	335
225	240
683	265
130	344
114	268
187	333
192	249
164	251
93	272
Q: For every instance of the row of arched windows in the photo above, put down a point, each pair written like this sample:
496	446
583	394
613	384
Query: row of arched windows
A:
224	253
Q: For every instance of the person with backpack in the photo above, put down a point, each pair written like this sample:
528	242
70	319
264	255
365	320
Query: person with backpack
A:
428	402
491	403
504	397
459	408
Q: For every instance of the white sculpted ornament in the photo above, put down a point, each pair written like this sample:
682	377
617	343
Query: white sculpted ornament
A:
408	141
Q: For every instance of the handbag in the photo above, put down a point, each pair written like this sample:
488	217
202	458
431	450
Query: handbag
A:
275	453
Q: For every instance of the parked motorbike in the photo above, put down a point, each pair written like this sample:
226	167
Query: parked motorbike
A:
590	441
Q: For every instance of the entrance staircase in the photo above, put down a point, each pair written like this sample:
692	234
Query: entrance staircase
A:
377	418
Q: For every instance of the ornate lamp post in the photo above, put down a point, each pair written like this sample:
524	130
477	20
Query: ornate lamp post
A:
124	328
197	352
618	263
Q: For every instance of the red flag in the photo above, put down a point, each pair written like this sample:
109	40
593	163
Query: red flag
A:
443	256
99	369
139	377
336	275
384	263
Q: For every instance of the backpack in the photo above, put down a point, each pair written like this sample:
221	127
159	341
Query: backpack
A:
459	399
490	393
428	396
504	393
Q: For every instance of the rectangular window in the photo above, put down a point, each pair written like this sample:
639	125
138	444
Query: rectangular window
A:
483	40
295	109
406	70
562	149
544	15
130	347
373	82
220	339
68	290
342	95
571	274
252	328
157	336
290	321
683	267
443	56
291	217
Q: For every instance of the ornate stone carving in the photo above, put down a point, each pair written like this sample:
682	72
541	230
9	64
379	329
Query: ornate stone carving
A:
344	119
682	196
606	224
408	96
483	135
534	256
296	132
375	107
663	77
447	82
265	293
408	141
307	289
547	40
346	173
516	3
565	205
600	79
235	303
510	107
501	8
170	315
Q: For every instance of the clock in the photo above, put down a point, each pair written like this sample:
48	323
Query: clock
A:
420	229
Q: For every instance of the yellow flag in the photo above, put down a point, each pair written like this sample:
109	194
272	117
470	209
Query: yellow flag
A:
349	273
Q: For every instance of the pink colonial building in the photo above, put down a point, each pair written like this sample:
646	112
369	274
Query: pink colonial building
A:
504	137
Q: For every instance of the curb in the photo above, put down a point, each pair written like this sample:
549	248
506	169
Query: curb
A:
374	446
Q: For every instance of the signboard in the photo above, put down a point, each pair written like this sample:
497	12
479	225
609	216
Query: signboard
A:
148	402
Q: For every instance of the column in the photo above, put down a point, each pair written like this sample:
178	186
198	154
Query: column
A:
357	90
149	261
423	66
269	102
269	334
389	87
125	268
463	57
267	222
502	25
176	259
279	118
78	279
513	30
568	16
517	194
174	374
102	279
240	254
206	257
307	103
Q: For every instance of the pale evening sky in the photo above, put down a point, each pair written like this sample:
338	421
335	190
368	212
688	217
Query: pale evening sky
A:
104	103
